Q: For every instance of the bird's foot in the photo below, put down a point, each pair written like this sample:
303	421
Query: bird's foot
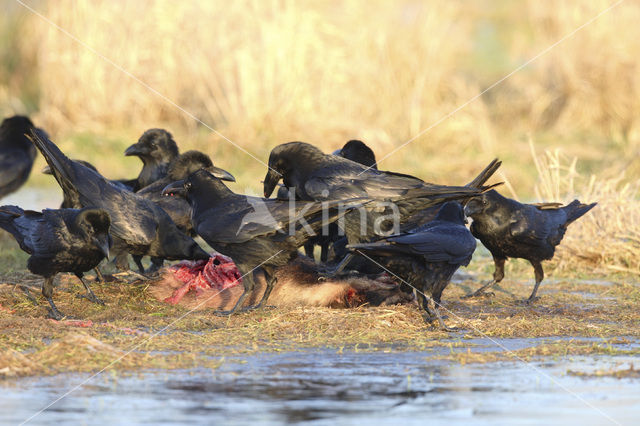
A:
531	300
224	313
331	274
55	314
92	298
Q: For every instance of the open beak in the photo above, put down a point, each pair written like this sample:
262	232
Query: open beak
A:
135	149
174	189
104	247
270	182
221	174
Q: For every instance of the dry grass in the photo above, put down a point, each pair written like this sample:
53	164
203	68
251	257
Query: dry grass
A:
162	338
269	72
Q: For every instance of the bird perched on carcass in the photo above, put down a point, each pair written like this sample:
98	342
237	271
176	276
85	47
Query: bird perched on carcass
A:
16	153
64	240
138	226
426	258
156	149
255	232
526	231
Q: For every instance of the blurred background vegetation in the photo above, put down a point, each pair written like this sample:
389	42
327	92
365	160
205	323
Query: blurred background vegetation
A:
267	72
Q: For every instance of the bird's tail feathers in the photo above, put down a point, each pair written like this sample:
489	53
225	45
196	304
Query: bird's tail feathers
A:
485	174
576	209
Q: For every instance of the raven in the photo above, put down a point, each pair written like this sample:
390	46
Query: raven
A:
255	232
157	149
177	207
359	152
65	240
526	231
16	153
138	226
398	197
426	257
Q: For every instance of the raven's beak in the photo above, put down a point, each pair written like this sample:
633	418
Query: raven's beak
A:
135	149
103	246
270	182
174	189
337	152
47	170
221	174
470	210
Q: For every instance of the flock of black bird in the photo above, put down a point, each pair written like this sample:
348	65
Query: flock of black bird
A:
365	220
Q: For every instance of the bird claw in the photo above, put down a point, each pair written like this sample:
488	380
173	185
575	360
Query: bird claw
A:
55	314
531	300
92	298
134	275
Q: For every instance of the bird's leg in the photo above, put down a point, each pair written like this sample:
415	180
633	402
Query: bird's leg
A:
431	312
271	282
47	292
156	264
90	295
248	284
539	273
337	270
308	250
498	275
138	261
324	251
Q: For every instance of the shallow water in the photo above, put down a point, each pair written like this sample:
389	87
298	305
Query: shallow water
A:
326	387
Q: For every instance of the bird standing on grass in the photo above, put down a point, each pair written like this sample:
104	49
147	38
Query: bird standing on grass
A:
426	257
64	240
138	226
526	231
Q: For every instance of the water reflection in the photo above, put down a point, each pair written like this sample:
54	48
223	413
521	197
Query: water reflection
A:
326	387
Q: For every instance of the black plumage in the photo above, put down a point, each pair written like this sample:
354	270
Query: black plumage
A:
17	153
255	232
426	258
359	152
319	177
527	231
156	149
138	226
67	201
65	240
177	207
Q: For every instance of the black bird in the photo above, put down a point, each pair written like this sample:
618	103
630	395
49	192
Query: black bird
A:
156	149
359	152
16	153
138	226
65	240
177	207
426	257
316	176
255	232
526	231
319	177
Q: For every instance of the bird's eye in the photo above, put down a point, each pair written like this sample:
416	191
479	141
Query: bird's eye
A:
187	185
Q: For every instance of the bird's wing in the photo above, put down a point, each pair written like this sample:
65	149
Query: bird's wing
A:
448	243
530	226
42	234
